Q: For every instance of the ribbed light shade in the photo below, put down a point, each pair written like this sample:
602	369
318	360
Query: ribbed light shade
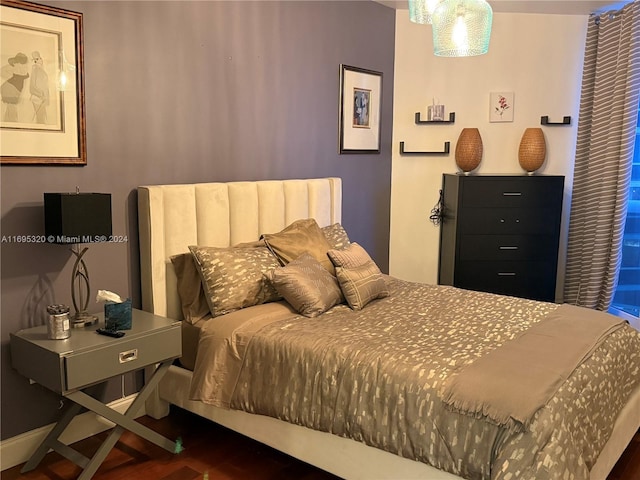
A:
469	149
420	11
533	150
462	28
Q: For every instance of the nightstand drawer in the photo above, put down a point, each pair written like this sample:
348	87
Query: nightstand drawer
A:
119	357
507	247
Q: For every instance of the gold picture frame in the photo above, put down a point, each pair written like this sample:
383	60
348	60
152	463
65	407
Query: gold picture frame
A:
42	121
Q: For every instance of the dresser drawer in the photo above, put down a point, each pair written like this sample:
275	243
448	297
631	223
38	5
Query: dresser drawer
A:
507	247
524	192
534	280
125	355
499	221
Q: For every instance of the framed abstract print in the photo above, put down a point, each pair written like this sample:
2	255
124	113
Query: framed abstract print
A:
42	120
360	110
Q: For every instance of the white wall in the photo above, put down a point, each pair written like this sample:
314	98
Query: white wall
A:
538	57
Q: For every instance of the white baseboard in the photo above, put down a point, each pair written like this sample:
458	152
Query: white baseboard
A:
18	449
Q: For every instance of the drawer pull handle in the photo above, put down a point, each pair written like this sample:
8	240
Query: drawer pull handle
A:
128	356
512	194
506	274
507	248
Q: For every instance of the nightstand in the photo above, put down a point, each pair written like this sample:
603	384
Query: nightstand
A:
72	365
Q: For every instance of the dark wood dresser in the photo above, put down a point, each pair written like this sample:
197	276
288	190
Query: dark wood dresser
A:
500	234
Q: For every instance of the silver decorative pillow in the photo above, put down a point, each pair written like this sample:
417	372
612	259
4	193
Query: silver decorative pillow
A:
233	278
360	278
336	235
352	256
360	285
306	285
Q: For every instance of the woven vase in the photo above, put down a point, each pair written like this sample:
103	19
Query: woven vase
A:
533	150
469	150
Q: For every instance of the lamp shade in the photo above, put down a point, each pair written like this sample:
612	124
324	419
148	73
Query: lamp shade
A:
420	11
462	28
469	149
77	217
532	150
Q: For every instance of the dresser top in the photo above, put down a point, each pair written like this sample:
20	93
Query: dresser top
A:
502	175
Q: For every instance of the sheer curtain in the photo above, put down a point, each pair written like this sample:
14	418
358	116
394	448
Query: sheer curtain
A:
604	152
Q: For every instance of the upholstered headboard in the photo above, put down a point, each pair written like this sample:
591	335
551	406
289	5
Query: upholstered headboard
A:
172	217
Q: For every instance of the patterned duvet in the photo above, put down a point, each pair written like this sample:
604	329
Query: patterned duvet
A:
377	376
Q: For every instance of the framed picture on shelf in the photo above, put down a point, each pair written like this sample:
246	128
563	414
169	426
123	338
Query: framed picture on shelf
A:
42	121
360	110
501	107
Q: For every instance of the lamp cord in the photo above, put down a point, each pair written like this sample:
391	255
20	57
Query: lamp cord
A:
437	212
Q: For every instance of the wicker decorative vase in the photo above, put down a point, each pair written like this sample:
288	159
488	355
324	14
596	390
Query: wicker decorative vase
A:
533	150
469	150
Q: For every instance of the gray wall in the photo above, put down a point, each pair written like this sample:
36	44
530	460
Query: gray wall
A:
183	92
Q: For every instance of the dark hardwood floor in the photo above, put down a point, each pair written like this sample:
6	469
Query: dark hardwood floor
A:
215	453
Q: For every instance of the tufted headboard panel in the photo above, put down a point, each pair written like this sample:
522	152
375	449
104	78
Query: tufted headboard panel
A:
172	217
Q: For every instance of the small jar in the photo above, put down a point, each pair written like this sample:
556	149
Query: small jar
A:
58	325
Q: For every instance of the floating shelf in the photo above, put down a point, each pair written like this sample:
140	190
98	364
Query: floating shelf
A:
419	121
447	147
545	121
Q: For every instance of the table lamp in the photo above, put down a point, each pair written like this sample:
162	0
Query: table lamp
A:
75	219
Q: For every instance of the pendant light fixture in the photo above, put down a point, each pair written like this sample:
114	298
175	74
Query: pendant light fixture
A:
461	28
421	11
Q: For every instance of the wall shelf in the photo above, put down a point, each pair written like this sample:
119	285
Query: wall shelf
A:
447	147
545	121
419	121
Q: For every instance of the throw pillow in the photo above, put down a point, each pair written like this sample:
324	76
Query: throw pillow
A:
336	235
300	237
233	278
306	285
352	256
360	285
192	296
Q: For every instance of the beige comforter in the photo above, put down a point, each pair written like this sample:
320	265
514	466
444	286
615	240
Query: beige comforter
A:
379	376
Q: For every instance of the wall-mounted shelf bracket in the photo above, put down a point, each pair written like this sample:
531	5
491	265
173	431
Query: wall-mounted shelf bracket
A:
419	121
447	148
545	121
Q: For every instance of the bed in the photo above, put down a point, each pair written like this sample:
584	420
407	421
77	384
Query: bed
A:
173	218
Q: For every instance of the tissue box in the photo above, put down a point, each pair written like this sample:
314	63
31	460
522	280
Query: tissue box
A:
117	316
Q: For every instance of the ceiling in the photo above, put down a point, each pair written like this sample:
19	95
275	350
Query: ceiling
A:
563	7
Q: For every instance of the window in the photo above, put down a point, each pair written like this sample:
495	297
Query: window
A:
626	300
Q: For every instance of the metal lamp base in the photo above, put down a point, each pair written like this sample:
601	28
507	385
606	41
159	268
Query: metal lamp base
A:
80	288
83	319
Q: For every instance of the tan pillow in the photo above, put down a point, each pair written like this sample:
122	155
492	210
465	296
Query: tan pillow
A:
306	285
360	285
300	237
352	256
233	278
192	297
336	235
254	244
